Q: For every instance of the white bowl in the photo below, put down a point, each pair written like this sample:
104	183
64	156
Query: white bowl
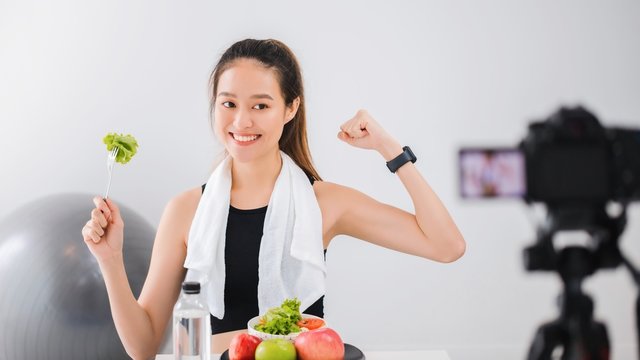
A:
264	336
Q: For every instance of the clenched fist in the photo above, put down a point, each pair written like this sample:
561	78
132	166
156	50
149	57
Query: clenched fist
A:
364	132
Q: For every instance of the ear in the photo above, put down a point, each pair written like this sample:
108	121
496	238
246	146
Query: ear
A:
292	110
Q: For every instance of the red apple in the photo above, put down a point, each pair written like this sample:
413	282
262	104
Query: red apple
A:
320	344
243	347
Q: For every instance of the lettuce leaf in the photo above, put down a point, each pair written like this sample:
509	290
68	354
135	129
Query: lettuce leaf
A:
126	144
281	320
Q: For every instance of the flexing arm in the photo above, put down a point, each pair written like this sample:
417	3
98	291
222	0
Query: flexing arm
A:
140	323
430	233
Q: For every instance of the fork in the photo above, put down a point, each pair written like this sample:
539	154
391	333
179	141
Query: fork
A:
111	160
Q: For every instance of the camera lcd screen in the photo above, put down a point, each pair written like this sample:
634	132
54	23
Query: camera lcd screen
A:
487	173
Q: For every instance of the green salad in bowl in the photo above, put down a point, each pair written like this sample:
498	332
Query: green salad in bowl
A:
283	322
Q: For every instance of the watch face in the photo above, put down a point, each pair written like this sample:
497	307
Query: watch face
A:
408	151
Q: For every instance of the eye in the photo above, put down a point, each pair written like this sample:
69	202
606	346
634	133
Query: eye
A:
228	104
260	106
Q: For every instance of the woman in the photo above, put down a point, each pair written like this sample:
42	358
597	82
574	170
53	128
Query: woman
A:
258	107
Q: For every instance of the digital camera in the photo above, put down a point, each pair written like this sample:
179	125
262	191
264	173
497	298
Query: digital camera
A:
567	159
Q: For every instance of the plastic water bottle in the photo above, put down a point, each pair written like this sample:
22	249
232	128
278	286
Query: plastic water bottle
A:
191	326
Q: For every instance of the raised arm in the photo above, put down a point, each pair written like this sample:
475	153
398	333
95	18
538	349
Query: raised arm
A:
141	323
430	232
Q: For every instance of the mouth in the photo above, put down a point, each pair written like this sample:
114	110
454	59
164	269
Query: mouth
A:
245	138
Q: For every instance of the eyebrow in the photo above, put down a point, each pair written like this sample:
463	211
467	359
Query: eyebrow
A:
256	96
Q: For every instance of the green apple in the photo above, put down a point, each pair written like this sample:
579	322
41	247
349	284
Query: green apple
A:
276	349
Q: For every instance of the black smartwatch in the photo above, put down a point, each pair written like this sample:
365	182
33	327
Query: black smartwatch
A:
406	156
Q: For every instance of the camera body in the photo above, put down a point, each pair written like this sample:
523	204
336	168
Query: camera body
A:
571	159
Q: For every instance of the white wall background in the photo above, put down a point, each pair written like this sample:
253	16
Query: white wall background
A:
437	74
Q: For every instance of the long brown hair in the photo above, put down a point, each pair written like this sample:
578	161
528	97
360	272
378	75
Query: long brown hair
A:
277	56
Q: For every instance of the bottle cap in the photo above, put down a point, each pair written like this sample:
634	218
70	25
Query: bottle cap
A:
191	287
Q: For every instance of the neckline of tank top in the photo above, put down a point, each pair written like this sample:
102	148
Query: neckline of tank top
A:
259	210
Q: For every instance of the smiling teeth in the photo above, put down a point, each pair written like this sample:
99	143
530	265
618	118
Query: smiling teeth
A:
245	138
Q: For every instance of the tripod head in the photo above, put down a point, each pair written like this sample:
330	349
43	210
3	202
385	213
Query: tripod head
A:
603	229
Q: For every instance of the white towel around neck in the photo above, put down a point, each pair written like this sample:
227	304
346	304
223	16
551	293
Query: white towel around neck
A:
291	259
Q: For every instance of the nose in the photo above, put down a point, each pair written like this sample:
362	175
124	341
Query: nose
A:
242	120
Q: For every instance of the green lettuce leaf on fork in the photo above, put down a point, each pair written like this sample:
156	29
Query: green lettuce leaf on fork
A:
281	320
126	144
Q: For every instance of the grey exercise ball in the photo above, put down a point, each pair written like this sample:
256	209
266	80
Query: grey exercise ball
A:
53	300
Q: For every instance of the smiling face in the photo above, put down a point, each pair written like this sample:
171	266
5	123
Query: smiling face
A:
250	111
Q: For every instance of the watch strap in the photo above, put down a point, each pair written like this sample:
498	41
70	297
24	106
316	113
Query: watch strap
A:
406	156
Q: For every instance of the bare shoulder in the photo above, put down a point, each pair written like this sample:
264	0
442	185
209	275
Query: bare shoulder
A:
333	200
329	193
186	201
180	210
338	199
